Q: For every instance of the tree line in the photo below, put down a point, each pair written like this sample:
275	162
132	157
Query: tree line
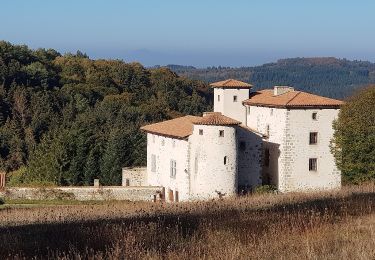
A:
331	77
67	119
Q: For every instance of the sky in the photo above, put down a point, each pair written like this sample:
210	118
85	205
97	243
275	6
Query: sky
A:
194	32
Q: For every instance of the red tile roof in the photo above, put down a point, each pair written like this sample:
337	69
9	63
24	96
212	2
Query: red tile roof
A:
180	127
292	98
230	83
215	118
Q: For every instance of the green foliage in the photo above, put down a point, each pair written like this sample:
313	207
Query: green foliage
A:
16	178
265	189
336	78
2	201
67	119
353	144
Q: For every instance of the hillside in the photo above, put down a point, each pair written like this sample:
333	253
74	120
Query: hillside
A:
336	78
67	119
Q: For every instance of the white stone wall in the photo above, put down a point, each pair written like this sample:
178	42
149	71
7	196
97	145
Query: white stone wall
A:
134	176
227	106
276	118
289	147
166	149
249	145
300	124
208	173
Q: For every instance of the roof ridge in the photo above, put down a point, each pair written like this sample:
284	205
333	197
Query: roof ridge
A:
290	100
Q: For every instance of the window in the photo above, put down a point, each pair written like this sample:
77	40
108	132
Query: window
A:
225	160
313	164
271	112
242	145
173	168
268	130
314	116
234	98
200	131
218	98
267	157
153	162
221	133
313	137
248	110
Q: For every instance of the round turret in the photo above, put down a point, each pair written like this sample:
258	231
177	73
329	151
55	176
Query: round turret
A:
213	162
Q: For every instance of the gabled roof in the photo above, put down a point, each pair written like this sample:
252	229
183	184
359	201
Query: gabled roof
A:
230	83
290	99
180	127
215	118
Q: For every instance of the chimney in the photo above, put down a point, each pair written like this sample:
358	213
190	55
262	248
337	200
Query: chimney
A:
278	90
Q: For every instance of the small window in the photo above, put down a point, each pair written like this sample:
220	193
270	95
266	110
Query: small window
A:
271	112
153	162
234	98
314	116
248	110
173	168
200	131
267	157
242	145
221	133
268	130
218	98
313	164
313	138
225	160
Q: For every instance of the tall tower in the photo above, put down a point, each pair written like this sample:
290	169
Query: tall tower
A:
228	97
213	157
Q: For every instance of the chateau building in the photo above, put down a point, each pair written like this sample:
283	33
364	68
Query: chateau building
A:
277	136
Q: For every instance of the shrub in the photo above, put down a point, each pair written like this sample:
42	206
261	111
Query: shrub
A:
2	201
266	189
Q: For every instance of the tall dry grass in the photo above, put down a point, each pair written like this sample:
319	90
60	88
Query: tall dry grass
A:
325	225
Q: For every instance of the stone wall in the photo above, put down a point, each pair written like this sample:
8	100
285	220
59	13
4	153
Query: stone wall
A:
134	176
83	193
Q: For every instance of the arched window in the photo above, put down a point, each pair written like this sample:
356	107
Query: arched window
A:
225	160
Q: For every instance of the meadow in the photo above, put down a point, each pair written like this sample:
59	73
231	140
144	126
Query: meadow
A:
323	225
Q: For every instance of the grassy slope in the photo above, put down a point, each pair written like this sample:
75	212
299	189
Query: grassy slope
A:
323	225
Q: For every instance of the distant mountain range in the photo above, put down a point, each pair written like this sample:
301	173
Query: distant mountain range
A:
327	76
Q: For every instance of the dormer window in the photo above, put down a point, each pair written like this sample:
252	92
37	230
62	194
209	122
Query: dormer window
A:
234	98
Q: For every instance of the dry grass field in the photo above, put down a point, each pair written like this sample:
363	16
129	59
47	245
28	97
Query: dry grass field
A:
325	225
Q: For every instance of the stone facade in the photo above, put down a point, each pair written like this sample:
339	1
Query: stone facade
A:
134	176
84	193
289	150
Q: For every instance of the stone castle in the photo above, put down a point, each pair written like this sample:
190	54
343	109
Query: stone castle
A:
277	136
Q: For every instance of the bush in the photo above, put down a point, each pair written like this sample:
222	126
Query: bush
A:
2	201
265	189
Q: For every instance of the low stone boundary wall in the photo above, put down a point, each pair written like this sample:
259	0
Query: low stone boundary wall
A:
149	193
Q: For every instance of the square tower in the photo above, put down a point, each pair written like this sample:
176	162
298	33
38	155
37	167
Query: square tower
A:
228	97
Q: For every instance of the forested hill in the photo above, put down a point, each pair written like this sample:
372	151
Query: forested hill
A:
67	119
330	77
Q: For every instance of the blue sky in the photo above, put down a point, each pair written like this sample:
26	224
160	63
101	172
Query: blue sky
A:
194	32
